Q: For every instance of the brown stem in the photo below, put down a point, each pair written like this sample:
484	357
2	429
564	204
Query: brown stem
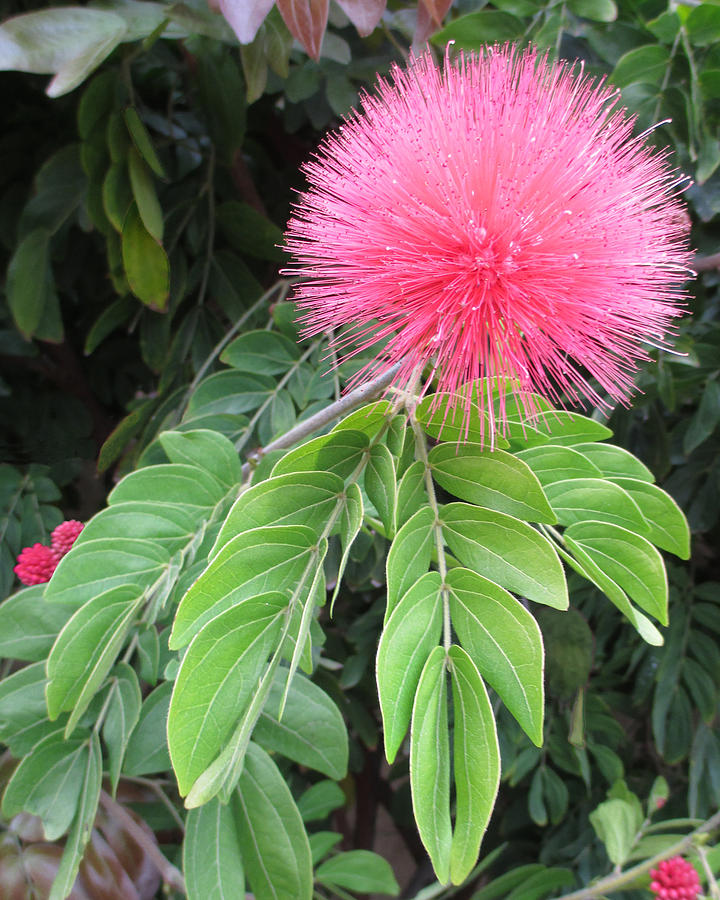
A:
706	263
170	875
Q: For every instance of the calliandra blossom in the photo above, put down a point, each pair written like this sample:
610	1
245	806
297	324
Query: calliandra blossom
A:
64	536
492	217
675	879
36	564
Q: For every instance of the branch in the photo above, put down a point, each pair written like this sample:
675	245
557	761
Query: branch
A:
170	875
623	879
706	263
304	429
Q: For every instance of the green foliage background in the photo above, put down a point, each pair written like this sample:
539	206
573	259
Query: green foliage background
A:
147	348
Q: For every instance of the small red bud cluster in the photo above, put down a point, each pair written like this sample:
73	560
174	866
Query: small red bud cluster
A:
36	564
675	879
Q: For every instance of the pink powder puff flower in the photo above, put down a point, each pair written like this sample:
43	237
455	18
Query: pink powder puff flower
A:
65	535
494	217
36	564
675	879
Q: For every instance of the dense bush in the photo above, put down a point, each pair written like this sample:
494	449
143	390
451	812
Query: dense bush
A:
156	738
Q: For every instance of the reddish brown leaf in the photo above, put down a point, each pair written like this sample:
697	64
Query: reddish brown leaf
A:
430	16
364	14
245	16
306	20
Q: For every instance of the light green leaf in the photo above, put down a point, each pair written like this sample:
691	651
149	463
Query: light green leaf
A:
29	624
311	731
261	353
668	527
504	642
301	498
569	428
505	551
430	764
116	195
596	10
143	190
449	417
380	485
358	870
409	556
351	519
492	479
339	452
81	829
253	563
48	783
275	848
217	677
319	800
583	563
615	823
22	704
86	650
552	463
615	462
212	859
147	751
141	139
411	632
411	494
367	419
629	560
476	757
205	449
595	499
174	483
145	262
123	713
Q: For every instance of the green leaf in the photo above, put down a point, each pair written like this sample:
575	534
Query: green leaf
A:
449	417
668	527
568	428
552	463
476	757
117	195
409	556
411	493
300	498
631	561
583	499
81	829
29	625
311	731
48	783
217	678
368	419
253	563
615	462
141	139
322	842
27	279
22	704
430	764
69	42
212	859
569	648
646	64
351	519
492	479
615	823
123	713
583	563
475	30
147	751
275	848
706	418
146	264
96	104
358	870
703	25
596	10
86	650
205	449
380	485
249	231
506	551
261	353
143	190
174	484
339	452
411	632
504	642
319	800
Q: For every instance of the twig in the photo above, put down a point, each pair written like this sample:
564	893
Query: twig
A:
324	416
623	879
706	263
170	875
